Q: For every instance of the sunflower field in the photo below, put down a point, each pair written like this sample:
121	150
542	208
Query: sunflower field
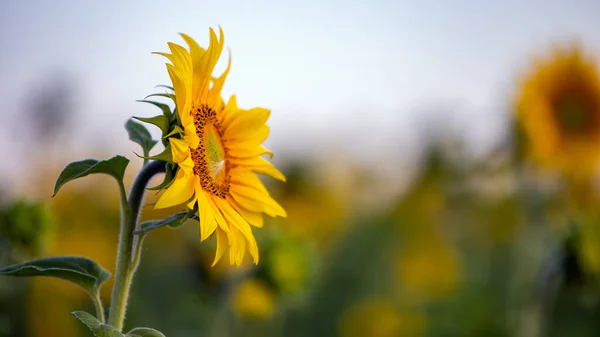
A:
215	228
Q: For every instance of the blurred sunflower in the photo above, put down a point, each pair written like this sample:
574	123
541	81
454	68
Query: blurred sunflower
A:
380	318
558	111
253	299
218	151
428	269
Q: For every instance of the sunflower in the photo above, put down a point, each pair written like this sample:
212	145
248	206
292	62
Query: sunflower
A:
218	152
558	111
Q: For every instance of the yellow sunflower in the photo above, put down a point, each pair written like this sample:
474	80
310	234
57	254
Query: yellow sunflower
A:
559	112
218	152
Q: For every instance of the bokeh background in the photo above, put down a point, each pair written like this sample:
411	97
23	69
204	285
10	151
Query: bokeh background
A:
412	210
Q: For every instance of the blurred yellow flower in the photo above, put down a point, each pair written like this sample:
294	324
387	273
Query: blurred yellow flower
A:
378	318
429	270
588	239
558	111
288	264
218	153
253	299
317	203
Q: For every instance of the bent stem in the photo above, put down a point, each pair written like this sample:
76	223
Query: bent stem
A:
129	248
98	305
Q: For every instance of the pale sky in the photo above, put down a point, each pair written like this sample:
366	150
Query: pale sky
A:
338	75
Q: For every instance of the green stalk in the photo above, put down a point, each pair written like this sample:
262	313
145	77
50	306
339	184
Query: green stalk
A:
98	306
129	248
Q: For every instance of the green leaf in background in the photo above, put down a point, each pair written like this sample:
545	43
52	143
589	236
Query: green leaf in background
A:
114	166
162	122
174	221
144	332
140	135
95	326
80	270
169	179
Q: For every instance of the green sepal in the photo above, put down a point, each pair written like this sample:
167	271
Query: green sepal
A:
169	96
114	166
140	135
165	86
174	221
169	179
163	156
161	121
79	270
96	327
144	332
176	130
164	107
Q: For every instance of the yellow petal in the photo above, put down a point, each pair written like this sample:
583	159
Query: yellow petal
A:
251	135
258	165
182	93
179	192
239	223
222	244
204	66
208	223
217	212
256	201
237	247
187	165
191	135
247	178
179	149
167	55
250	151
256	219
247	120
214	95
195	50
194	200
230	112
180	57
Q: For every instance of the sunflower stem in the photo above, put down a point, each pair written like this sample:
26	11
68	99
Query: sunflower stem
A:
129	248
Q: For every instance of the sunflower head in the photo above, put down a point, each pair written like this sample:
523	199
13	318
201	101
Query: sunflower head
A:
217	150
558	111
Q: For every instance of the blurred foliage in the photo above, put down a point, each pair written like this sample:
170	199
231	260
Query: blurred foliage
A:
471	246
453	255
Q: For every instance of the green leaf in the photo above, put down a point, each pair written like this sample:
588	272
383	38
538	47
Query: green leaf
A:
80	270
169	179
166	109
173	221
114	166
139	134
162	122
144	332
169	96
164	156
95	326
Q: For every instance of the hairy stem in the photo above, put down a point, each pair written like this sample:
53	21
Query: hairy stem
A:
98	306
129	246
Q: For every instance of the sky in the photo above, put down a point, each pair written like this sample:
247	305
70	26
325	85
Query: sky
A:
355	77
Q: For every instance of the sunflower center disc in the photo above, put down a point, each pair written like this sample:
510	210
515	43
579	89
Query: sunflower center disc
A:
575	111
210	157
